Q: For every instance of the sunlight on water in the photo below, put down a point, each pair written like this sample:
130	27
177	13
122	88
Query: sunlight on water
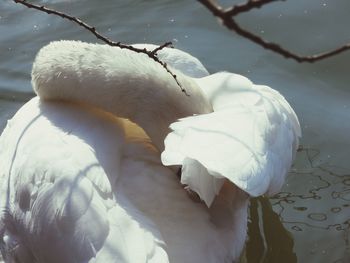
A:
309	221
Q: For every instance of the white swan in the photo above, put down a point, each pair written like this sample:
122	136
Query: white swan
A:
79	184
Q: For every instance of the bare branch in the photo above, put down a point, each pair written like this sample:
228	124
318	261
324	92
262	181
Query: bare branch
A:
150	54
227	18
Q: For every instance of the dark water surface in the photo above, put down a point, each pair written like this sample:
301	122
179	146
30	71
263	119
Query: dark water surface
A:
309	221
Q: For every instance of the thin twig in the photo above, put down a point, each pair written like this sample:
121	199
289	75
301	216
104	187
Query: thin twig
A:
227	18
247	6
166	44
151	54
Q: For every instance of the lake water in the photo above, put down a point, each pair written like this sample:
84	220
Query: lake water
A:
309	221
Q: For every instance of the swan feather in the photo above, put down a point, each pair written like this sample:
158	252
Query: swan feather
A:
249	139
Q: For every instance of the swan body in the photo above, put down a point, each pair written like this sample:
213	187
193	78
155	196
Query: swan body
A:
80	183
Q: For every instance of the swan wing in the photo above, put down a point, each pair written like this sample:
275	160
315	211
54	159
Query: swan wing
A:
249	139
59	163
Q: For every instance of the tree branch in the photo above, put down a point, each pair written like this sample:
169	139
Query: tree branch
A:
227	18
151	54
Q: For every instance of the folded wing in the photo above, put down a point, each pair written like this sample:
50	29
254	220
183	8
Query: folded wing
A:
249	139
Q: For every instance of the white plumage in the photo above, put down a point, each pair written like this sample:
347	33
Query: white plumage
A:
79	184
250	135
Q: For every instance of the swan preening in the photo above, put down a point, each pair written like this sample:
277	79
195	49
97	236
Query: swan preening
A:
81	183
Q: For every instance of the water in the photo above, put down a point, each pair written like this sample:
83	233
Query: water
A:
309	221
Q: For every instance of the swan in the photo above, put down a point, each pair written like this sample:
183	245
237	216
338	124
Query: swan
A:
82	178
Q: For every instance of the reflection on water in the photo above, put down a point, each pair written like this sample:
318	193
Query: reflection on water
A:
274	221
320	205
309	220
269	241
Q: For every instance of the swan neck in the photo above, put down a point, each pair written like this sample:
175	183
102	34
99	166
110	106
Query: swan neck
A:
125	83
